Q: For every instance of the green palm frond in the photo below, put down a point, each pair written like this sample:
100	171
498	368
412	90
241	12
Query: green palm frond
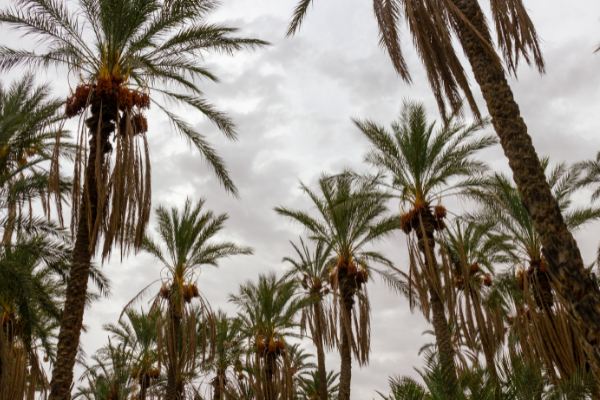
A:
425	163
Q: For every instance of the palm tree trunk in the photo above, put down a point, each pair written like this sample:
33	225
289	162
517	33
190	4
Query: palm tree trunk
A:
318	312
347	291
144	382
218	384
271	365
560	249
174	391
426	245
72	315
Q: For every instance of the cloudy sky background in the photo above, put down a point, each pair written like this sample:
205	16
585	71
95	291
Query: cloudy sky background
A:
293	102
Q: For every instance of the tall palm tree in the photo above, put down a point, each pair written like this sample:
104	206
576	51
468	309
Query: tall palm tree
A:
126	53
432	25
188	236
267	310
312	271
426	164
351	214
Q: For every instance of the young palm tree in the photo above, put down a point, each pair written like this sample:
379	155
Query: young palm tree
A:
427	164
139	337
432	25
188	238
228	353
110	377
267	314
126	53
310	387
351	214
312	271
476	306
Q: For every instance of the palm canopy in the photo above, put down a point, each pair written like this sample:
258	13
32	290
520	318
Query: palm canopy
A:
312	267
432	25
29	120
188	238
139	337
268	311
425	162
151	45
351	214
503	209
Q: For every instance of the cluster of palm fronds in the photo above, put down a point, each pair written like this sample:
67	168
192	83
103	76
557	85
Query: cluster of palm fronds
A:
514	310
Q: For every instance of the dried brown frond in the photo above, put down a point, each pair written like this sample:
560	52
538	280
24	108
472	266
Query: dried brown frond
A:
516	34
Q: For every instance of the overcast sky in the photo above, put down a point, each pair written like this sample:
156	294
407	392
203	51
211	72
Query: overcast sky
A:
293	104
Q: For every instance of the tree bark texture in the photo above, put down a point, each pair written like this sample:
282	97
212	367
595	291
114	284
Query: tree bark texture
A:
347	292
218	384
72	316
174	390
270	367
560	249
426	243
318	311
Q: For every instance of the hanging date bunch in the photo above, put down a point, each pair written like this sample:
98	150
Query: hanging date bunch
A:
422	213
118	201
540	281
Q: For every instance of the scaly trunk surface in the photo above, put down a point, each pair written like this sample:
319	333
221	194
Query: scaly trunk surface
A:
218	384
271	365
320	353
72	315
426	245
347	292
144	380
560	249
174	389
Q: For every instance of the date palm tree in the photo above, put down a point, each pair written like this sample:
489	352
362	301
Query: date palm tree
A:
29	121
310	387
503	211
139	336
426	164
351	214
188	236
267	311
228	353
126	53
312	271
433	26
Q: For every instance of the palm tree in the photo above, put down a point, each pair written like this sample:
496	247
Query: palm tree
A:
188	238
431	25
110	377
505	213
139	337
126	52
351	214
267	315
29	122
425	164
228	353
312	271
476	305
310	388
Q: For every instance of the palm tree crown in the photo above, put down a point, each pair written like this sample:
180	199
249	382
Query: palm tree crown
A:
425	163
